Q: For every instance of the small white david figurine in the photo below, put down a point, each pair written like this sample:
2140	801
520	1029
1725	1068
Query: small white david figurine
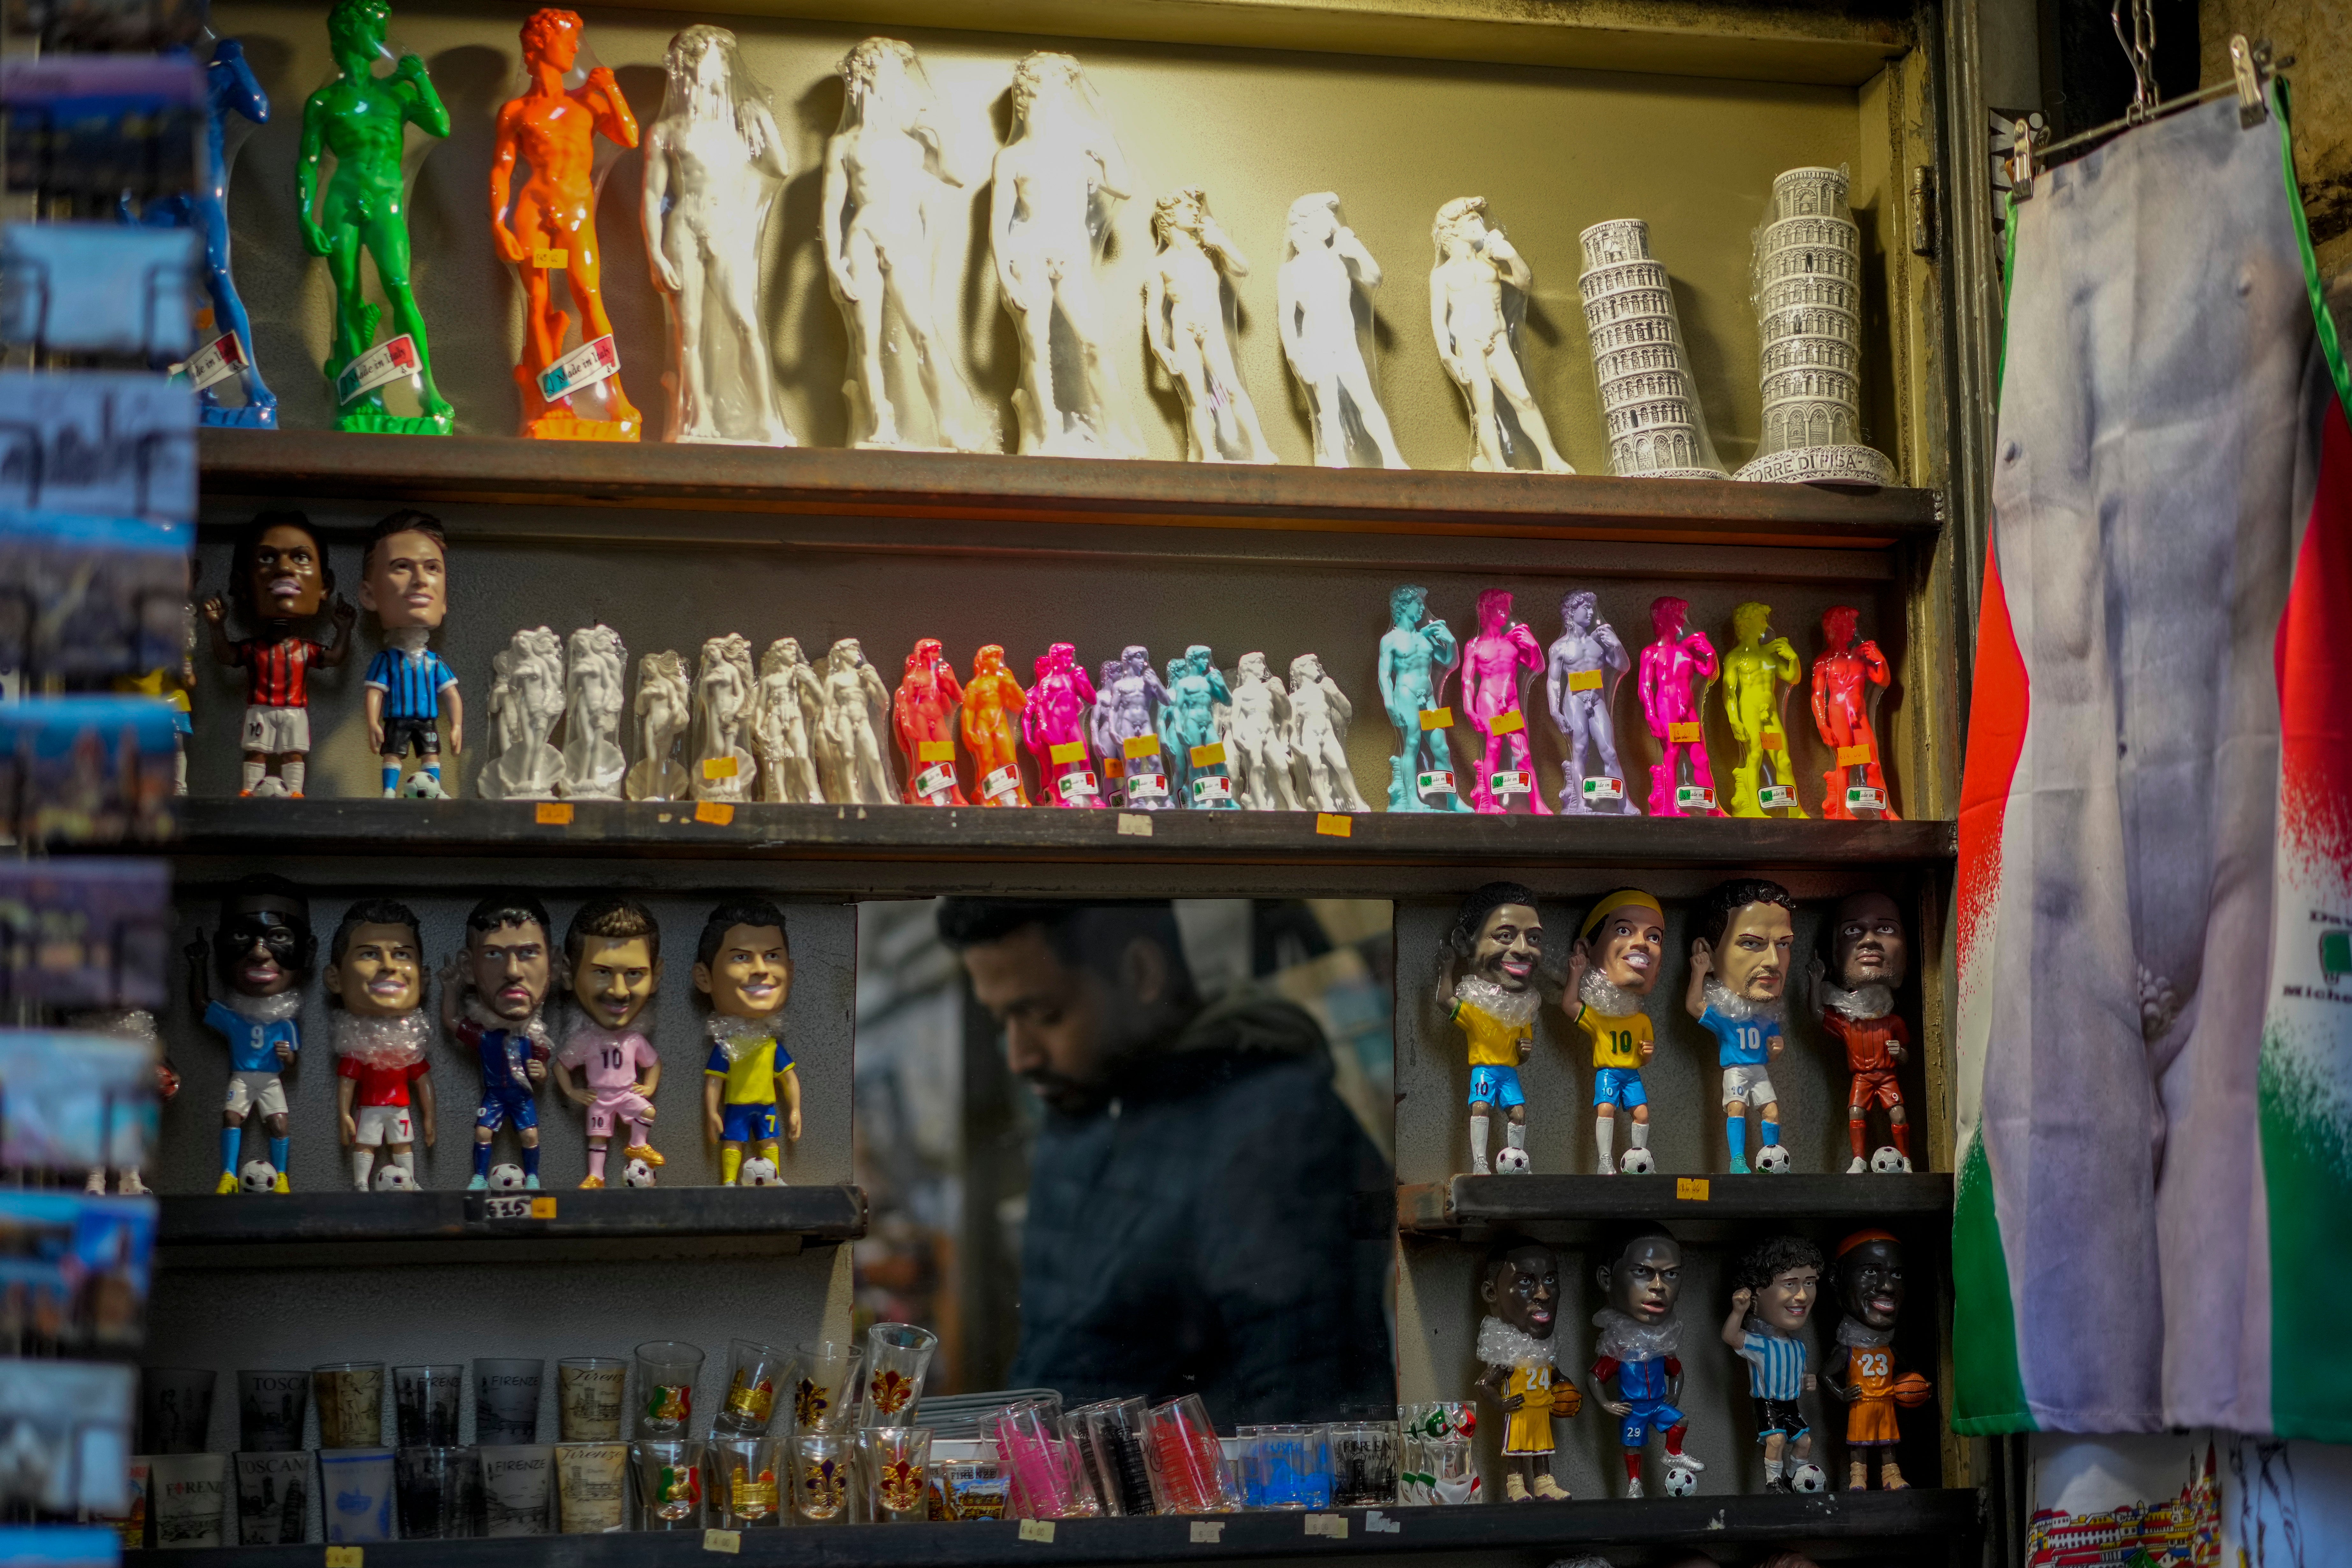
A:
1326	271
1187	321
721	767
593	701
1319	716
848	738
714	163
1057	183
526	698
1476	322
891	172
785	715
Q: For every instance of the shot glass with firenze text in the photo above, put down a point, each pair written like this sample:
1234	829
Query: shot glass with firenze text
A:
517	1485
506	1400
588	1398
439	1492
191	1496
425	1401
591	1488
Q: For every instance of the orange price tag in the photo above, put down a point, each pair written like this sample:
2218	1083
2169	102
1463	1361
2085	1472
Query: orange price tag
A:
542	1208
1692	1189
1335	824
1210	755
719	767
1114	767
1685	733
1856	756
718	812
1509	723
935	751
1437	718
1775	742
554	814
1143	745
1063	751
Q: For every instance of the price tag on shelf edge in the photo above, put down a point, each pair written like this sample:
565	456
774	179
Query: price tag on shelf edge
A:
1211	791
582	367
1440	782
1604	789
1699	795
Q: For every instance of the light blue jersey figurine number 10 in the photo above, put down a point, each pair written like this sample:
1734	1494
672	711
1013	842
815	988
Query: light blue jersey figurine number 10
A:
1744	931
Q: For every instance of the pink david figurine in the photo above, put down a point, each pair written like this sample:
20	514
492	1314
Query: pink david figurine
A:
923	715
1054	726
1495	666
1675	672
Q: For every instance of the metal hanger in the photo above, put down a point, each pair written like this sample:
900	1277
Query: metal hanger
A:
2250	69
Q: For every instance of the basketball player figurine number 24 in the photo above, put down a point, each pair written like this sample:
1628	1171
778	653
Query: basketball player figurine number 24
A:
1518	1354
614	950
1861	1371
1492	952
744	964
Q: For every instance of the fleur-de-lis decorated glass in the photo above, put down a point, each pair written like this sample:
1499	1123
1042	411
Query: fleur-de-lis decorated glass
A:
897	1357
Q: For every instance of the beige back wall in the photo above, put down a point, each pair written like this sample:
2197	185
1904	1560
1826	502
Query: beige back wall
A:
1554	151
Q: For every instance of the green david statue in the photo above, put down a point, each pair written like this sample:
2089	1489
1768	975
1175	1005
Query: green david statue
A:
362	120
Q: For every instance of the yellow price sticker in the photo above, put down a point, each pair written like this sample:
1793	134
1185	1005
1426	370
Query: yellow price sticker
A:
344	1556
935	751
1584	680
1685	734
716	813
1691	1189
731	1542
1437	718
1856	756
1335	824
1210	755
542	1208
1509	723
551	260
554	813
1040	1530
1775	742
719	767
1143	745
1064	751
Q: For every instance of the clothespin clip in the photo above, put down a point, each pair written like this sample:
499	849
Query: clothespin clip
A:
2020	161
2249	64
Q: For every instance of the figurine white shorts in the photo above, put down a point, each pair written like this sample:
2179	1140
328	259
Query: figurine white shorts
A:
1749	1085
250	1090
273	732
385	1124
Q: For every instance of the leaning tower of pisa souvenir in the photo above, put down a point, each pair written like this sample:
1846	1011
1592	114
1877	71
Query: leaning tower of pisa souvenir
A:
1646	394
1809	308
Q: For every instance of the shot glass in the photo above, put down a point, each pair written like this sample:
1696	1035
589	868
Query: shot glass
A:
897	1357
1185	1459
130	1524
437	1487
742	1488
666	1372
968	1488
669	1482
1045	1478
1287	1467
273	1497
191	1499
591	1488
820	1477
424	1404
350	1396
754	1372
588	1398
355	1491
1363	1464
270	1408
175	1408
1438	1418
1108	1437
1446	1471
826	1392
506	1400
894	1463
517	1483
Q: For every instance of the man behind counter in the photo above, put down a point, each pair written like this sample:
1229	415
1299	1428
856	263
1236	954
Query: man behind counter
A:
1193	1176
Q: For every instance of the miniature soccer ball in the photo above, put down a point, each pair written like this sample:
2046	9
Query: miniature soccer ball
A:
1772	1160
1888	1162
394	1179
1807	1478
505	1178
256	1176
1637	1163
760	1172
1511	1162
638	1174
422	785
1681	1482
270	787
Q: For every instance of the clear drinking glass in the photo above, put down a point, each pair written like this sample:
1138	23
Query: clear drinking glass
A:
355	1490
894	1463
191	1497
517	1483
506	1399
897	1357
826	1392
667	1371
350	1396
588	1398
1288	1466
754	1372
424	1404
1047	1481
820	1477
669	1482
1108	1437
175	1408
438	1488
273	1497
269	1406
742	1488
591	1488
1363	1464
1185	1459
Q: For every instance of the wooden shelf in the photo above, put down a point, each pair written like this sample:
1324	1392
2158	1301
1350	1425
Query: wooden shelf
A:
611	1214
1832	1524
258	464
920	851
1480	1203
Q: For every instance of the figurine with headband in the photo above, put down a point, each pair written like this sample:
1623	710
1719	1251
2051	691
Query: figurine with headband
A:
1620	951
1861	1370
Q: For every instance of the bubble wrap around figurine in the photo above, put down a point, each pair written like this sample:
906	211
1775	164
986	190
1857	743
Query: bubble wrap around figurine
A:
1189	319
527	684
1675	672
1647	398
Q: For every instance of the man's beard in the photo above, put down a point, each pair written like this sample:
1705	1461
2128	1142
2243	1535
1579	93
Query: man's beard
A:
1605	996
1066	1095
1739	1008
1875	1000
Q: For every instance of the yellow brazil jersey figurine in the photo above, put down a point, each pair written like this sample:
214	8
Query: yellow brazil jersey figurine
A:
1611	970
744	964
1491	956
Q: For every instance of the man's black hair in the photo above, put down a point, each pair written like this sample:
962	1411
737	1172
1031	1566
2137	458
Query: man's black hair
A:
375	912
733	912
1610	1246
241	564
267	889
615	918
1712	915
1773	1256
511	909
1089	936
1470	918
423	522
1500	1253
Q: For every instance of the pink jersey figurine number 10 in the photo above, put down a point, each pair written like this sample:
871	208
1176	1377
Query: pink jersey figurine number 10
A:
1055	727
1847	681
1497	661
1675	670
